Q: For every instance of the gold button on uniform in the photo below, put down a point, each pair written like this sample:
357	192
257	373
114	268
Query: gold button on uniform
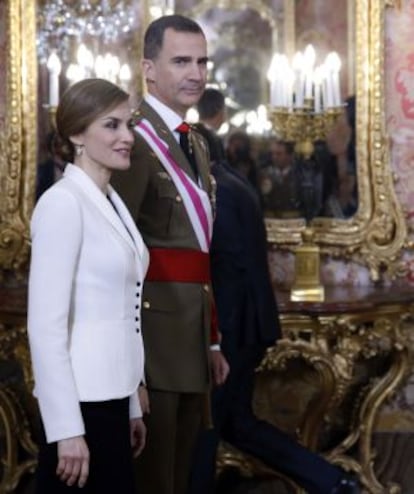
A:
178	198
206	288
146	304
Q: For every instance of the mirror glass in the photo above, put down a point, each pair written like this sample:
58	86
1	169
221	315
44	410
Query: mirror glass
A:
78	39
373	236
241	43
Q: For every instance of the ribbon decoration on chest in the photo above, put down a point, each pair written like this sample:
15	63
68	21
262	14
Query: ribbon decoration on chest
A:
195	199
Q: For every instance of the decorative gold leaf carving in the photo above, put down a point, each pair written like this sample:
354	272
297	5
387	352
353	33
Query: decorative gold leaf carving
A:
18	135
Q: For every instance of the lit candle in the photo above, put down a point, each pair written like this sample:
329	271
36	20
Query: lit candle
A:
290	79
335	64
272	77
297	65
75	72
284	91
54	66
85	58
125	72
329	83
317	81
100	70
309	59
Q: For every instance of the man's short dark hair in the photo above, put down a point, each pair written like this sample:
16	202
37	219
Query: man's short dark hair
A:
288	145
210	104
154	35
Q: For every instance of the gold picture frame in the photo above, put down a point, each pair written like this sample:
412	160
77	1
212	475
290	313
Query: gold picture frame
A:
18	124
375	236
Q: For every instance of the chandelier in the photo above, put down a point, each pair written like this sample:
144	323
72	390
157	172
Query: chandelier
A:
78	38
60	22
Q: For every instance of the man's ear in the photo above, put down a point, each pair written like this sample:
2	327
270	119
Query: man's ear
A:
148	70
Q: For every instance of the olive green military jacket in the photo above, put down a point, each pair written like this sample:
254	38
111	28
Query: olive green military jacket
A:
175	316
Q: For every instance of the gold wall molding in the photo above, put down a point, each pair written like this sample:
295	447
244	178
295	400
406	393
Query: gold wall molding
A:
376	235
18	135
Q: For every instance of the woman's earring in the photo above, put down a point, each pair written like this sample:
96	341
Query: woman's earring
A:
78	149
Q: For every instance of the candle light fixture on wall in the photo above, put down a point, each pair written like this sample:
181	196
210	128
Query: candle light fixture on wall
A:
305	101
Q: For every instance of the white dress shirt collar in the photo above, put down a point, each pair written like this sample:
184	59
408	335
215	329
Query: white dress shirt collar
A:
171	118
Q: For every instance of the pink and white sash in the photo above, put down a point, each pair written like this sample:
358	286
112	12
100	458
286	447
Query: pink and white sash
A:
195	200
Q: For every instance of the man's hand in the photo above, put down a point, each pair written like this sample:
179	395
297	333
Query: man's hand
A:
73	461
138	435
219	366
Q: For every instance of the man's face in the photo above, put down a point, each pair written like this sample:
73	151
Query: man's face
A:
280	156
177	77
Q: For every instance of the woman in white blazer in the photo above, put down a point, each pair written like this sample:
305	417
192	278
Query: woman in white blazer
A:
88	264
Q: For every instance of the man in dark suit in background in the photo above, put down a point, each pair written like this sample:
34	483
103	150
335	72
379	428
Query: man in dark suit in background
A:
248	321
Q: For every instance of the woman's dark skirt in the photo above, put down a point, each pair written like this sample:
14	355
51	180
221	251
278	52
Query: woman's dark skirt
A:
108	439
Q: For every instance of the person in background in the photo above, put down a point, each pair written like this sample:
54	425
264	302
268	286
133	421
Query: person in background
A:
248	321
50	170
169	191
212	114
341	142
88	263
280	182
239	156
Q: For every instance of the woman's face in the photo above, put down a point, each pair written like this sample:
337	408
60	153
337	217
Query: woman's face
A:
108	140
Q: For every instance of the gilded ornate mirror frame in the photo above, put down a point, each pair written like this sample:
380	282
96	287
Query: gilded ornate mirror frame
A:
17	130
374	236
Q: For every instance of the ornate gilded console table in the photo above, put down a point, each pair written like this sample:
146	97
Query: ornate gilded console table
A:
326	380
17	407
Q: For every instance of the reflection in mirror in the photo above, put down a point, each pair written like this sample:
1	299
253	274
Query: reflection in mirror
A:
241	44
75	40
373	236
321	185
241	40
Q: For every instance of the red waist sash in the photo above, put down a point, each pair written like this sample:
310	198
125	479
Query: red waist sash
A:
183	266
180	265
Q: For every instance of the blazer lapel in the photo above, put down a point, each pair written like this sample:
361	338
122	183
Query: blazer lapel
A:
100	201
128	223
147	112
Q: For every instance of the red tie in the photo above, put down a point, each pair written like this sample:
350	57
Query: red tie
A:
183	129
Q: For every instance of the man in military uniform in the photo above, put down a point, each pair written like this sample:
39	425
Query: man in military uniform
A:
168	191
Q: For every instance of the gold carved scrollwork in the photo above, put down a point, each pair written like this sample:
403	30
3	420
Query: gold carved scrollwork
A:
359	359
18	452
14	429
376	235
17	132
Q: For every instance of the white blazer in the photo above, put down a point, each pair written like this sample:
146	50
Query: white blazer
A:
88	263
